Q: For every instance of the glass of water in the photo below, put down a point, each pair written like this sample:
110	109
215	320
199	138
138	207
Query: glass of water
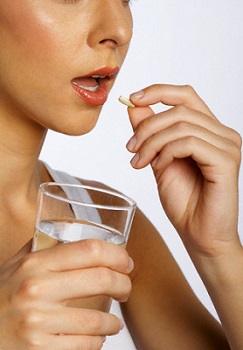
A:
74	212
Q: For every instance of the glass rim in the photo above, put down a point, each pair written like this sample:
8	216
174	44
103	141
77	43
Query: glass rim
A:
131	203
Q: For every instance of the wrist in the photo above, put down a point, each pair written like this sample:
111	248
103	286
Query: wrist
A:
223	279
223	268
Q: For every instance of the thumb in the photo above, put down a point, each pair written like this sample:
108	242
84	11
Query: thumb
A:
138	114
26	249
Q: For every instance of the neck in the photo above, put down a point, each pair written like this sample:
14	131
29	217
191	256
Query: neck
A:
21	141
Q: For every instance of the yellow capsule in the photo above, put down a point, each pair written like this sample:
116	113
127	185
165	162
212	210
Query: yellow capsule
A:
126	101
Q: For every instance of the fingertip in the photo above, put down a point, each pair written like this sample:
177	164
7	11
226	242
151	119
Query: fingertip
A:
131	143
154	162
137	96
135	160
121	324
131	264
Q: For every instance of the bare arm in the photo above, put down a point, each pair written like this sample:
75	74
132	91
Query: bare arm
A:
162	311
35	288
196	161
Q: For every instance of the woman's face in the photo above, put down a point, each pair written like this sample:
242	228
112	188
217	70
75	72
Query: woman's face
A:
59	59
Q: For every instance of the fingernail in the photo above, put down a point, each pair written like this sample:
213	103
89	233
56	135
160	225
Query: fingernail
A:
135	159
131	264
122	324
154	162
131	143
137	95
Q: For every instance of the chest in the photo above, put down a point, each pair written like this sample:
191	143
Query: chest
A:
13	236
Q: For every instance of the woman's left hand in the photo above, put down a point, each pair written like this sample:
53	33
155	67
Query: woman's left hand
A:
196	162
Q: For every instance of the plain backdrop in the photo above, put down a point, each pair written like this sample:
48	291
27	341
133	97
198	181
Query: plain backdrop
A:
196	42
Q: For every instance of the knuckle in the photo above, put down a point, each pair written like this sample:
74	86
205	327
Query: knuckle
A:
182	126
234	162
28	329
34	344
237	139
86	344
147	144
112	324
29	289
93	247
192	140
95	321
188	90
90	343
151	148
125	289
125	260
32	319
128	287
235	143
105	277
145	125
181	111
28	262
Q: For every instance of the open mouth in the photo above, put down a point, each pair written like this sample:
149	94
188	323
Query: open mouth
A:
94	88
88	83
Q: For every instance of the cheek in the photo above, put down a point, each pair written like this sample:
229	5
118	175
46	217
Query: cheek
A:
28	35
28	47
26	40
25	28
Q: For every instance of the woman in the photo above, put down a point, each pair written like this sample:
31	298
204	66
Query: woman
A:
59	60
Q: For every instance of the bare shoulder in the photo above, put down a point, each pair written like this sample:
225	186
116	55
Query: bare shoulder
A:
143	235
141	227
162	297
147	247
144	240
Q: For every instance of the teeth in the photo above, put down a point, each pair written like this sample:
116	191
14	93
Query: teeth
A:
90	88
98	76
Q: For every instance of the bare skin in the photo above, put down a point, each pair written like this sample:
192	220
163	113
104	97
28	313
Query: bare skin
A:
29	106
36	95
191	153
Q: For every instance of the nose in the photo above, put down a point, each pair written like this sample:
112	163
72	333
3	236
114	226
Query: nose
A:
112	24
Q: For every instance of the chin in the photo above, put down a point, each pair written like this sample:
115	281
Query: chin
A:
77	126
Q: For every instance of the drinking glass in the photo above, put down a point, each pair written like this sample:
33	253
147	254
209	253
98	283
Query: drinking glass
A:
74	212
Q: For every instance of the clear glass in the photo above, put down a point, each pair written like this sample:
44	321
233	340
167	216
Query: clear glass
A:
73	212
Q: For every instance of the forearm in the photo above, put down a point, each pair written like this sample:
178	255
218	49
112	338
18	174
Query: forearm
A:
223	279
196	161
162	311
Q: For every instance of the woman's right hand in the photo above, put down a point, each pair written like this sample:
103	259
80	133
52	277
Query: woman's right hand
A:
35	287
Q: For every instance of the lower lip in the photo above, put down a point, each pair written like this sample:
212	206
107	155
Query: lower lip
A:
93	98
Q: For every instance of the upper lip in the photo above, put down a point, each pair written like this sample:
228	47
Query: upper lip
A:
104	72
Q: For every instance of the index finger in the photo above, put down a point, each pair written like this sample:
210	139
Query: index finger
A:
83	254
171	95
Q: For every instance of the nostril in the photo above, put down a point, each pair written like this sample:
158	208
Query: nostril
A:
108	42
